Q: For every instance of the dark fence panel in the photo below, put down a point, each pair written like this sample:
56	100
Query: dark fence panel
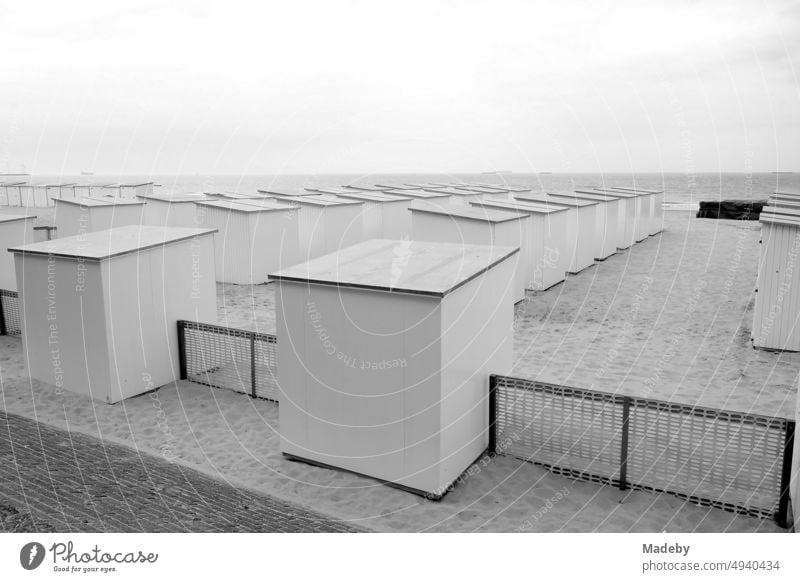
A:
10	322
732	461
223	357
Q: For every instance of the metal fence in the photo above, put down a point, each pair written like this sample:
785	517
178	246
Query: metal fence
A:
715	458
223	357
10	323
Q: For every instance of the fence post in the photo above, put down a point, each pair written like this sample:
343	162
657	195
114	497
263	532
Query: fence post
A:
252	365
623	454
492	414
2	315
182	349
786	476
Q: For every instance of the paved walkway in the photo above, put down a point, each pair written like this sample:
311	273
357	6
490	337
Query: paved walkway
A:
70	482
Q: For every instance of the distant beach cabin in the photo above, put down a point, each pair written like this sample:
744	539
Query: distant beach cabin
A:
776	315
583	218
608	230
253	240
384	215
326	225
478	226
629	217
15	230
172	209
384	358
551	240
75	216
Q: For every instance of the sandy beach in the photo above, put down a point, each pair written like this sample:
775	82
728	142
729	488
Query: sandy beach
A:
669	319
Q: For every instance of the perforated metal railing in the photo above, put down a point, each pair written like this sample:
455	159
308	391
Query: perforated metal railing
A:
224	357
9	313
715	458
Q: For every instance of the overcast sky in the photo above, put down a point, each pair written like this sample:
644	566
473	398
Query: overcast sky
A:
329	86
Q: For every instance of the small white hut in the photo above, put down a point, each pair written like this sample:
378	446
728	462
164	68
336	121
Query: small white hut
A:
252	240
776	315
15	230
478	226
75	216
99	312
385	353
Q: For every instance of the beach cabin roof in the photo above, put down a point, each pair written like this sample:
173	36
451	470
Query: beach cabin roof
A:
287	193
330	190
642	190
373	196
237	195
399	187
236	206
375	188
544	199
423	194
433	269
322	201
13	183
598	196
105	244
176	198
504	188
788	192
266	202
777	215
92	202
606	192
451	191
520	206
484	214
482	190
6	218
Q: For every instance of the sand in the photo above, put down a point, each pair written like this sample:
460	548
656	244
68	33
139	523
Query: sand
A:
565	335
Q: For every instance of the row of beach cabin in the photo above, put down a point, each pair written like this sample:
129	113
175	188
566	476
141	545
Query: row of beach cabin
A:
558	232
21	193
391	272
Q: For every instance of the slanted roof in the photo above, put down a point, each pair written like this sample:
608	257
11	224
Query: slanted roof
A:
105	244
432	269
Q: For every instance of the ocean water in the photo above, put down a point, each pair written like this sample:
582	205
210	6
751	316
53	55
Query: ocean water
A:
681	190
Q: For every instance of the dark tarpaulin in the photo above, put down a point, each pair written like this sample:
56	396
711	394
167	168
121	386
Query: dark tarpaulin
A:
731	209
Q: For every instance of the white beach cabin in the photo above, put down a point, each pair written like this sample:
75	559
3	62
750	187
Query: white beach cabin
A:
384	215
610	213
629	219
420	196
583	214
11	193
172	209
326	225
99	313
384	358
128	190
74	216
656	197
776	315
288	196
252	240
641	223
550	244
487	193
236	196
15	230
478	226
458	197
